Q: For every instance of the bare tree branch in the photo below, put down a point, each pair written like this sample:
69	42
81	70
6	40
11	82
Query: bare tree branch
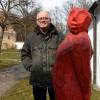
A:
11	6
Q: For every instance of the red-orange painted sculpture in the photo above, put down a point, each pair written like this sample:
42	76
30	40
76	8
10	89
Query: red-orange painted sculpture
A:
72	70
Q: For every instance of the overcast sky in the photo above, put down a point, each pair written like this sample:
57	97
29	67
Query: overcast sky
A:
50	4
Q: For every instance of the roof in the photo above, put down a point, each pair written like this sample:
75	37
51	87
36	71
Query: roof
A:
94	6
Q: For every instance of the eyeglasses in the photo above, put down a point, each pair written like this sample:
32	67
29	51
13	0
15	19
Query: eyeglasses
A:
42	18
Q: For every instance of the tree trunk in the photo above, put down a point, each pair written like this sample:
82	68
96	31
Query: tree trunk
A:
1	38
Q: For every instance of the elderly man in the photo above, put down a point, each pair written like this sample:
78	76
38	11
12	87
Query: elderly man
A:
38	55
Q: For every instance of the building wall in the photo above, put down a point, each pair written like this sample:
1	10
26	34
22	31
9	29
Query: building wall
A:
91	38
97	13
98	50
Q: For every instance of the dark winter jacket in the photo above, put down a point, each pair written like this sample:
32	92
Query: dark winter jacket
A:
38	55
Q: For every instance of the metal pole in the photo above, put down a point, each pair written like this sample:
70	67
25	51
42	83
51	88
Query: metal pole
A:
95	49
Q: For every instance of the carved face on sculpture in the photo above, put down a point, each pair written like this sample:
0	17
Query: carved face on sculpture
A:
79	20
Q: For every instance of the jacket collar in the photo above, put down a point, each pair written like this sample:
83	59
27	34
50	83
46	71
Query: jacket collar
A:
52	30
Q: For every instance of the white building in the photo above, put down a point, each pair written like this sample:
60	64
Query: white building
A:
94	33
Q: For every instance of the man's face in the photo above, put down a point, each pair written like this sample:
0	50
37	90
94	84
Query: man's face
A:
43	20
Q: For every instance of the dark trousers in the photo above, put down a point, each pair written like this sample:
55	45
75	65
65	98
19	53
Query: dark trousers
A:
39	93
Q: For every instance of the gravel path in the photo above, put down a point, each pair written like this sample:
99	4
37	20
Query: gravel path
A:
10	76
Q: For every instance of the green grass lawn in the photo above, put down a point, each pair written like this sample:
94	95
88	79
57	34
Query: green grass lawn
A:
9	58
95	95
22	91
